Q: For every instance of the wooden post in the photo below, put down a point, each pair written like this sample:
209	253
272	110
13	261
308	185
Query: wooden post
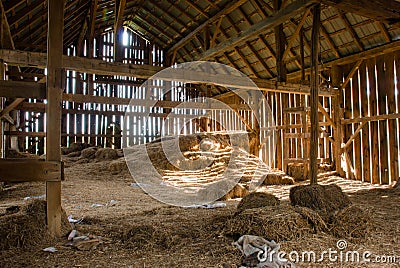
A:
314	94
336	75
53	109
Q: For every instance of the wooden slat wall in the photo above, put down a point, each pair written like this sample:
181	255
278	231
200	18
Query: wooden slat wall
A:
374	91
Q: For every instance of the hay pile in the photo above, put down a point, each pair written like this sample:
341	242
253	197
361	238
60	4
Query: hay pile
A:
325	199
296	171
351	222
147	237
256	200
278	223
27	226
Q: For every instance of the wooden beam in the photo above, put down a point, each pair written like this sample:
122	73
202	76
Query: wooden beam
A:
280	41
228	9
355	134
25	170
79	64
384	31
350	29
20	89
53	110
263	26
381	10
327	116
330	41
314	94
366	54
371	118
11	107
295	34
118	30
351	73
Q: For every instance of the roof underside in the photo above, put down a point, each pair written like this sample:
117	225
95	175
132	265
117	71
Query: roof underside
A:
203	22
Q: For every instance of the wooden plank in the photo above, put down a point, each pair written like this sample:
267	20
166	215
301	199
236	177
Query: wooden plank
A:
53	109
357	139
316	11
22	170
263	26
348	129
374	125
365	132
393	131
382	93
21	89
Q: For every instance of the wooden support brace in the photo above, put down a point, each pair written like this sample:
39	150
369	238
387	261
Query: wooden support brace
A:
353	136
328	118
352	72
295	34
11	107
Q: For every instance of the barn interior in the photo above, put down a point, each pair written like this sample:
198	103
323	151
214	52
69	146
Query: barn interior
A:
286	111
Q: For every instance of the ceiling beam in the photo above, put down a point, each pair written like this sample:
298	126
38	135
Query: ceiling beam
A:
118	30
382	10
228	9
350	29
366	54
265	25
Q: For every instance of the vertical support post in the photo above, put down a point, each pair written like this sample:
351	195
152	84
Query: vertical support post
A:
2	77
336	75
280	46
314	94
53	109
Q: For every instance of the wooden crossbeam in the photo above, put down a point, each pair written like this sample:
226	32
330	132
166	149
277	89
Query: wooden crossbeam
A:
25	170
366	54
21	89
350	29
263	26
370	118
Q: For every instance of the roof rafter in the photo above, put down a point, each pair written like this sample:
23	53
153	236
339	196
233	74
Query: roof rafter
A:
350	29
265	25
228	9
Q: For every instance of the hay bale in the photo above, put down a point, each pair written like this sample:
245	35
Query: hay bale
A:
296	171
12	153
351	222
118	166
188	142
89	153
278	177
27	227
238	191
278	223
257	200
106	154
325	199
